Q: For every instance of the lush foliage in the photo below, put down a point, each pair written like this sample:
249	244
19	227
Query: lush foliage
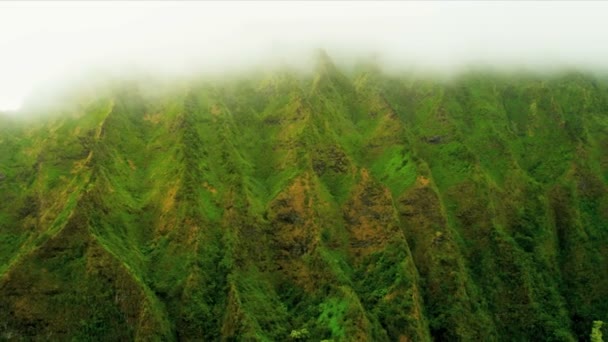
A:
337	207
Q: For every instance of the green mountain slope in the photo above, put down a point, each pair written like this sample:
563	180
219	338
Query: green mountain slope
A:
333	206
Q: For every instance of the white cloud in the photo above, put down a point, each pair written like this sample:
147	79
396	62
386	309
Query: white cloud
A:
49	41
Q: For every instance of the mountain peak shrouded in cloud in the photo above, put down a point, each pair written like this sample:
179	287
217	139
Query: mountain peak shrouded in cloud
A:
202	171
43	43
324	62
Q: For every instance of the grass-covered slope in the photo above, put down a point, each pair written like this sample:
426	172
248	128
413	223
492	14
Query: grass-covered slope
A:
337	207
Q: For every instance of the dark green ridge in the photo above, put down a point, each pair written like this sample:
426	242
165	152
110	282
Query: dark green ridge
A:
334	206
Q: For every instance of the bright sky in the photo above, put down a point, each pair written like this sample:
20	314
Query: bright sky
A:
43	43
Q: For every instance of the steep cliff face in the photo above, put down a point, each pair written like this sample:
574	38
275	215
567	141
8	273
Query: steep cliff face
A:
360	207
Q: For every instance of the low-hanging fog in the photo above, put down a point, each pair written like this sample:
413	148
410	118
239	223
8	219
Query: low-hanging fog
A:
43	44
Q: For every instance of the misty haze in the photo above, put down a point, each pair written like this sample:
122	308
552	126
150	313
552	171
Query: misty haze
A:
303	171
46	43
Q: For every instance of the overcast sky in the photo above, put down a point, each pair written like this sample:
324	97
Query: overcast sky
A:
46	42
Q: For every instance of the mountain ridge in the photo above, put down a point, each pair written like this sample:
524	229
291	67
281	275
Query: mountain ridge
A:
332	206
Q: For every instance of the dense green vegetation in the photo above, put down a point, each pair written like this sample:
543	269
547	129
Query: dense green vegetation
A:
335	206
